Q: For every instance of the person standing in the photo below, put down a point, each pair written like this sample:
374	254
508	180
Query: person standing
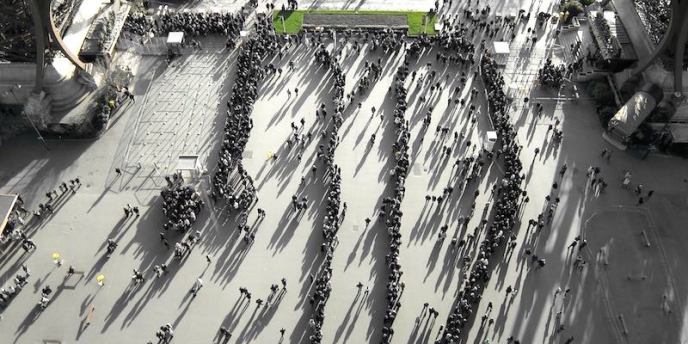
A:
197	286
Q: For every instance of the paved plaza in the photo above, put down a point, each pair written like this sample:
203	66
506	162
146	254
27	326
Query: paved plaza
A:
631	289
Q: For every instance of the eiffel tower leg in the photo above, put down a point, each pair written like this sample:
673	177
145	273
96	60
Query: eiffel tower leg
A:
679	9
41	43
666	41
680	48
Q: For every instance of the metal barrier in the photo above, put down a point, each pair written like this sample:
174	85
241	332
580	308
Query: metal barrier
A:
142	45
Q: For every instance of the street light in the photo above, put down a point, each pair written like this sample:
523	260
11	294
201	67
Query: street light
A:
40	137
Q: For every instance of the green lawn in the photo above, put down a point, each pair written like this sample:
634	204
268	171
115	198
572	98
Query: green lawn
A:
293	20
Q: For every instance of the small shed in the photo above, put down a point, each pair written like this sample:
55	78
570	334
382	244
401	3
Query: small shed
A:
190	164
176	37
175	41
490	140
500	52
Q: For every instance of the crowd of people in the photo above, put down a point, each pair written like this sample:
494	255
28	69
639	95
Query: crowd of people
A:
551	75
194	24
508	192
387	39
292	5
391	209
322	285
181	204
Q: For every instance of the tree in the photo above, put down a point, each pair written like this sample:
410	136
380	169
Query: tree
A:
629	88
663	112
600	92
605	114
573	7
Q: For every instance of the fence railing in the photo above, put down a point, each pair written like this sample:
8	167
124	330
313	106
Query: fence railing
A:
142	45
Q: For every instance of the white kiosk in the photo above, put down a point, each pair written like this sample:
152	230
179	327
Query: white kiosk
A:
174	42
500	52
190	164
490	139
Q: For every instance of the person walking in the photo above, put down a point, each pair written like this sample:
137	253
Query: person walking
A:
225	334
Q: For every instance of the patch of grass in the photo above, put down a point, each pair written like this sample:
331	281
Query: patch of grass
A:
418	22
292	23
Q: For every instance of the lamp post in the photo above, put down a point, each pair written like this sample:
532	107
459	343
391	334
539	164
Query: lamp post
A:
33	125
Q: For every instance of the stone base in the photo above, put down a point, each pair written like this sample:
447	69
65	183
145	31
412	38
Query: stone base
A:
37	109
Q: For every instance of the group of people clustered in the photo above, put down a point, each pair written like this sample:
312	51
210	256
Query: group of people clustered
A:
193	24
181	204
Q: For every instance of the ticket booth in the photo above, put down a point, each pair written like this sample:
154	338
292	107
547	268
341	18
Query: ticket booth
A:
500	52
489	140
189	166
175	40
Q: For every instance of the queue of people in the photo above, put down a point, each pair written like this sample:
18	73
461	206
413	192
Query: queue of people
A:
238	124
194	24
390	211
322	285
508	192
9	291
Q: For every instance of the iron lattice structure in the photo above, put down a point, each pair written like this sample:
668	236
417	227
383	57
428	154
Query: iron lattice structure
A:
673	43
17	42
27	29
